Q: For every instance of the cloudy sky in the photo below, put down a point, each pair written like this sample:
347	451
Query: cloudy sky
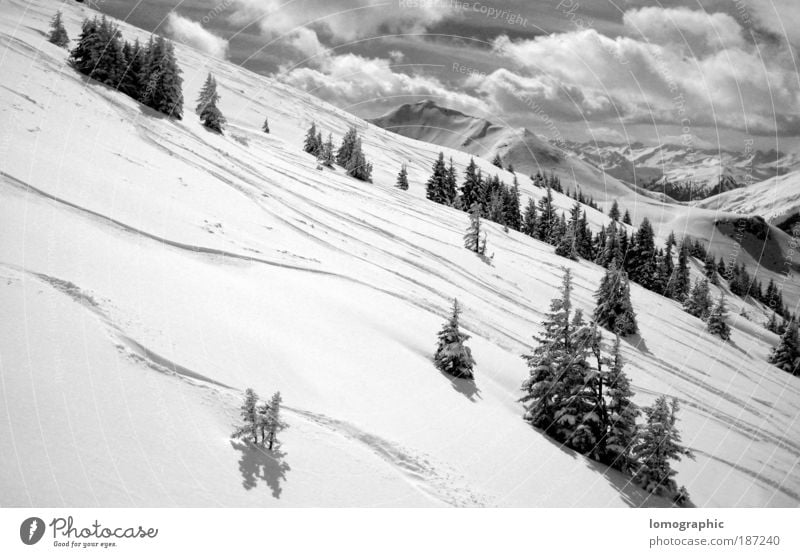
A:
705	73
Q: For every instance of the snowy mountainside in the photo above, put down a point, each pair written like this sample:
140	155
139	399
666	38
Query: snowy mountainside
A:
710	171
150	271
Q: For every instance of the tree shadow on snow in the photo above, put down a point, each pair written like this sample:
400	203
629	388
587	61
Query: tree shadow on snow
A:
466	387
258	463
637	341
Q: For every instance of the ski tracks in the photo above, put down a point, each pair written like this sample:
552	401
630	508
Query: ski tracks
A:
435	480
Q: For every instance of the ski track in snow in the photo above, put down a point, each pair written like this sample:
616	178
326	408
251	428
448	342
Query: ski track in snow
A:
432	479
418	470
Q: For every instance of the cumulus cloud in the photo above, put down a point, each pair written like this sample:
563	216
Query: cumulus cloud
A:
648	76
350	79
193	34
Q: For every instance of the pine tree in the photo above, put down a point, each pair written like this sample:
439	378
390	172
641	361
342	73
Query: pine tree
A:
250	421
698	303
327	156
450	183
272	422
613	213
210	114
626	218
681	285
717	320
543	387
641	261
614	310
357	166
58	35
310	143
436	189
659	442
497	161
530	219
567	245
346	148
131	83
710	269
622	431
402	178
265	128
471	188
452	356
472	238
786	355
161	78
547	217
511	210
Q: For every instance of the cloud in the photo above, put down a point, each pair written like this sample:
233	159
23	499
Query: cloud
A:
692	32
649	77
193	34
350	79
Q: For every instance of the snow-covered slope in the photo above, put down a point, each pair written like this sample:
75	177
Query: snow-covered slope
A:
776	199
673	167
150	271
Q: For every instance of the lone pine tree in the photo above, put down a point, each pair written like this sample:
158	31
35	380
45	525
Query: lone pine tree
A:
265	126
698	303
452	356
402	178
58	35
210	115
311	142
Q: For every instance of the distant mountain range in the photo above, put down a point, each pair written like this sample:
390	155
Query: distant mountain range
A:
678	172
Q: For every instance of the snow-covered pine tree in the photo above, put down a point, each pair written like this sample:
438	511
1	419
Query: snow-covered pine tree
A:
327	155
547	217
613	213
162	80
58	35
786	355
265	127
210	114
511	207
402	178
471	188
208	94
250	420
310	144
357	165
717	323
641	261
472	238
450	183
698	302
542	388
710	269
614	310
452	356
529	220
567	245
131	83
622	429
274	424
436	186
658	443
346	148
682	280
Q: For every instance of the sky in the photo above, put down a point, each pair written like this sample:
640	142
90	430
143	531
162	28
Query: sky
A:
705	74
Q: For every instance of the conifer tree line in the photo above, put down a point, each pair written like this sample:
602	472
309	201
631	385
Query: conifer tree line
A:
349	155
58	34
261	421
148	73
579	394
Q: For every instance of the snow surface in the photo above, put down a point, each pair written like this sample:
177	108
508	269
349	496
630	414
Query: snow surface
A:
150	271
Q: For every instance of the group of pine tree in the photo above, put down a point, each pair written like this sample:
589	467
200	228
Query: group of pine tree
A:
148	73
349	155
261	421
578	392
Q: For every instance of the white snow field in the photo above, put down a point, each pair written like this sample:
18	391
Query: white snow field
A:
150	271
